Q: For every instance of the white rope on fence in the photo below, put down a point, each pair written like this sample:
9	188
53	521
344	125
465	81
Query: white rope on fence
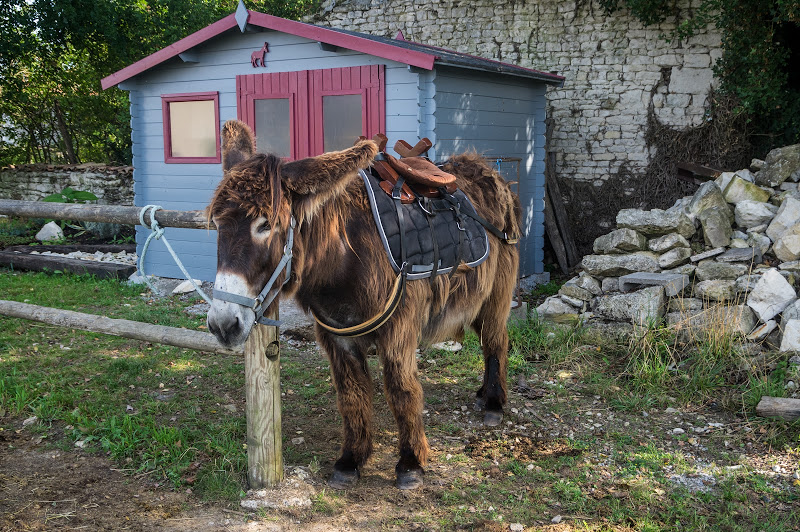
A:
157	232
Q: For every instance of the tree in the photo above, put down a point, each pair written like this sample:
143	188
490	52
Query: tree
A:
55	52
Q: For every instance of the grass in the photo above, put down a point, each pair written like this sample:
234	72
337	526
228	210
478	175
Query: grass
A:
178	416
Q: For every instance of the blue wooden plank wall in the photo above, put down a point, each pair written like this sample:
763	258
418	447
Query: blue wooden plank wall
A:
189	186
499	116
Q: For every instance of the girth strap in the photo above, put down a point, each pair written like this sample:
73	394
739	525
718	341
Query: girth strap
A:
376	321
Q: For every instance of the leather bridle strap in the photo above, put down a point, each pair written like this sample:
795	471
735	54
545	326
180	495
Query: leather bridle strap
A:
261	303
376	321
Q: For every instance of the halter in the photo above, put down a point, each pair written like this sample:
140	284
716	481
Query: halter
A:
261	303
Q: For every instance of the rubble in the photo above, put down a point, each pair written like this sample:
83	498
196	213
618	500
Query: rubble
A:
727	256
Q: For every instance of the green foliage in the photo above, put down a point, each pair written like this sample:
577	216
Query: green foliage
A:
69	195
760	61
54	53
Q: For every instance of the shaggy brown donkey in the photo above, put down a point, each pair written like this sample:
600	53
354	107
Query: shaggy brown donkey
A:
340	273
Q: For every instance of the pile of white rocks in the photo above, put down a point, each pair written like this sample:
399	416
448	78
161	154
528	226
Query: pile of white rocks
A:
120	257
727	256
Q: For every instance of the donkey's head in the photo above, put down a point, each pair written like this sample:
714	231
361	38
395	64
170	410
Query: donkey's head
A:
255	208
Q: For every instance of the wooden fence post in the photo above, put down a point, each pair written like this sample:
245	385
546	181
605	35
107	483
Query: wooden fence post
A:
263	409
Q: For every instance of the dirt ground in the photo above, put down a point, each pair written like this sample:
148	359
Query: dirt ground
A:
48	484
45	487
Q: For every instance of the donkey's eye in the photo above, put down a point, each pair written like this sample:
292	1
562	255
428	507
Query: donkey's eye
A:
263	228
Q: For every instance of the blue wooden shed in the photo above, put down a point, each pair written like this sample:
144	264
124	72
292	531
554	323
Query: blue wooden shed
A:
306	89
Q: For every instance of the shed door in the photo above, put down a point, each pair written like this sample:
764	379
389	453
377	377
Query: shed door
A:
306	113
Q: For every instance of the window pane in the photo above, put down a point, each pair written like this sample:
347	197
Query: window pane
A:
272	126
192	129
341	121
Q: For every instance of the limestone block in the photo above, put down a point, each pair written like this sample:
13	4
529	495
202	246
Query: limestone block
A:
735	319
791	336
792	312
587	282
620	241
771	295
749	213
793	266
665	243
788	214
762	331
684	304
746	174
50	231
759	241
757	164
723	179
673	283
555	306
656	222
575	302
716	290
639	307
575	292
738	243
746	283
707	254
690	80
610	284
740	190
779	165
616	265
674	257
709	196
686	269
787	247
746	254
716	225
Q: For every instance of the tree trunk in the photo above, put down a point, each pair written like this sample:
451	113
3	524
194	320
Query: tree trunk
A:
69	151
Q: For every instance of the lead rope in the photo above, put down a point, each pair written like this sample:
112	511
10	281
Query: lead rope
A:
157	232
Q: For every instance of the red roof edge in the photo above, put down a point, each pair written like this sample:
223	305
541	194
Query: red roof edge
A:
343	40
300	29
170	51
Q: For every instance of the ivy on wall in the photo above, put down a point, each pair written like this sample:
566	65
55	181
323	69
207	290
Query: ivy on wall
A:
760	66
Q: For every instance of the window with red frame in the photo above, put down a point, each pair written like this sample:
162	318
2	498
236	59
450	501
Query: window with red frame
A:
191	127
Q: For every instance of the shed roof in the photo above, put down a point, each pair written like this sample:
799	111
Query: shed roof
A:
414	54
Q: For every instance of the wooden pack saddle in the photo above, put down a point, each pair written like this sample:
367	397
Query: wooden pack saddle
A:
420	176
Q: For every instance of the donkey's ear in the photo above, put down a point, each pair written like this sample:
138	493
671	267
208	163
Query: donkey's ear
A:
316	175
238	143
317	180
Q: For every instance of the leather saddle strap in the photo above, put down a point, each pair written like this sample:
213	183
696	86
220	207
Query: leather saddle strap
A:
401	218
504	237
430	213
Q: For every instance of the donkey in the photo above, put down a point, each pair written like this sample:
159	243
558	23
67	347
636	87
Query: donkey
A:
318	207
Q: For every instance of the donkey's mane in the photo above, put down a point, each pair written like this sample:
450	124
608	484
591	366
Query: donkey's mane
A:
253	185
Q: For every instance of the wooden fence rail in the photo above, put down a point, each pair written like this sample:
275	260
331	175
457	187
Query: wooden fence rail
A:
102	213
261	351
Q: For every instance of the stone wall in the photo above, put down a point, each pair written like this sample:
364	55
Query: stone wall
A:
113	185
615	68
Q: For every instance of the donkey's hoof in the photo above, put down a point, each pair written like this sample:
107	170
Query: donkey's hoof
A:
343	479
492	418
410	480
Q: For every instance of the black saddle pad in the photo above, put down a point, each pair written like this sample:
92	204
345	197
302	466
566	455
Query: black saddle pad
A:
420	238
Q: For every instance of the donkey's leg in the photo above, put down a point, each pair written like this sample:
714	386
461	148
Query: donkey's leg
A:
404	394
492	329
354	398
